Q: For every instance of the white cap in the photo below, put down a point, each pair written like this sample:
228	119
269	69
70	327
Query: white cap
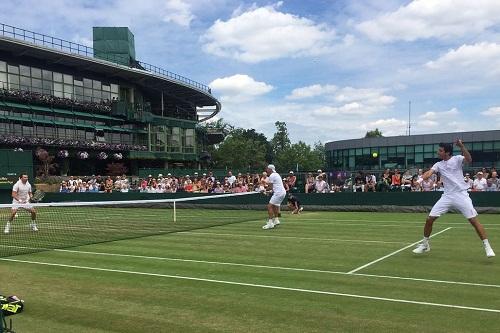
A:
160	175
320	171
196	173
169	174
272	167
291	172
150	176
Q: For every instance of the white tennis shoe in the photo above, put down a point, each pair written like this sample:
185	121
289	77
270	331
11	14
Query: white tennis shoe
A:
7	228
421	248
34	227
268	225
489	252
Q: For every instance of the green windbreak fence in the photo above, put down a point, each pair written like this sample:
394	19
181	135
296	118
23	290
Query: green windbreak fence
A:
12	163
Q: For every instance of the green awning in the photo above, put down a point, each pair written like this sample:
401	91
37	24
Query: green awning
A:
41	108
43	121
16	118
17	105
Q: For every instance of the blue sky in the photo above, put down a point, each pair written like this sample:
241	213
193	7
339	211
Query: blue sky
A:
330	69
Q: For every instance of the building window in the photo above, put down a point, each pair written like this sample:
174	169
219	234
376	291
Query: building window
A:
3	66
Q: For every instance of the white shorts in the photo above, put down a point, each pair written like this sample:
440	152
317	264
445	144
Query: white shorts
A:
17	205
459	201
277	199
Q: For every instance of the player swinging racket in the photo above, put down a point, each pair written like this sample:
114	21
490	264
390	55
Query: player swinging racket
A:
279	193
21	196
455	194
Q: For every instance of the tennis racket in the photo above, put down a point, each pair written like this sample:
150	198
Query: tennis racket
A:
38	196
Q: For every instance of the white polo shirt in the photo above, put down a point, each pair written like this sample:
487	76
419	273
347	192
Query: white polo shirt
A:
277	182
23	191
452	174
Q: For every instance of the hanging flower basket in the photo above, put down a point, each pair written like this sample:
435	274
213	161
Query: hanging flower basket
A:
82	155
102	156
117	156
62	153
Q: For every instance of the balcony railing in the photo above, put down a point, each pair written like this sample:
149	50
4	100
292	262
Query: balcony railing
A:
79	49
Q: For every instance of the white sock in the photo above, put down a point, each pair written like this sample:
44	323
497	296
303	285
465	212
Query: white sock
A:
271	221
426	240
486	243
33	222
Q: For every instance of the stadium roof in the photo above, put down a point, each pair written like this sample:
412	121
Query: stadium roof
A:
20	42
434	138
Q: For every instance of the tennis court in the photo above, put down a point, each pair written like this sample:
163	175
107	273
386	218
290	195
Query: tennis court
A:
316	272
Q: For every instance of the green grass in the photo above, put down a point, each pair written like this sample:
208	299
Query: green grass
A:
240	278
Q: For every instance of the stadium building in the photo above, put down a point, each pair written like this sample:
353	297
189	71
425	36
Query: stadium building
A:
91	106
406	152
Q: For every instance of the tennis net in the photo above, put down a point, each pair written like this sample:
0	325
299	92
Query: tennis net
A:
70	224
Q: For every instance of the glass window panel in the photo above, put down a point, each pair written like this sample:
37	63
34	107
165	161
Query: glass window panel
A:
78	83
359	151
428	148
114	88
106	95
3	66
419	148
496	145
13	69
25	83
13	81
114	96
410	149
27	130
47	87
36	83
68	91
58	89
79	93
47	75
96	84
391	150
36	73
488	145
87	83
68	78
58	77
24	70
106	88
366	151
477	146
3	80
400	149
97	95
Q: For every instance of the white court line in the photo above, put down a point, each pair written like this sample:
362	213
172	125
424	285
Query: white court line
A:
310	291
290	237
258	266
393	253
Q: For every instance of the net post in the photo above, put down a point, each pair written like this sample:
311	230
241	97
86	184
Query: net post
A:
175	213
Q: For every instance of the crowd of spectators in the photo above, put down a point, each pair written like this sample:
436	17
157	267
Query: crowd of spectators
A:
22	141
388	181
394	180
32	97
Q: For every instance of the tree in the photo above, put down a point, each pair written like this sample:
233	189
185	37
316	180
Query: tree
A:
242	149
280	140
299	154
320	151
47	162
374	134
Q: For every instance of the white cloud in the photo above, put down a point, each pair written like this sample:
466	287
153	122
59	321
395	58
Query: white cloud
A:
389	126
481	58
265	33
422	19
492	112
179	12
443	121
239	88
311	91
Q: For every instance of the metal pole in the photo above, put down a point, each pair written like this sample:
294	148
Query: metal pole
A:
409	118
175	213
162	106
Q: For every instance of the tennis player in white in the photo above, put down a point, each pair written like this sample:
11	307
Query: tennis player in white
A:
21	196
455	194
279	193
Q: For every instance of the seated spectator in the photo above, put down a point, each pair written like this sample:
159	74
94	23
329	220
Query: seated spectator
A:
427	185
291	180
359	183
218	188
491	186
108	185
469	182
415	184
309	187
396	180
479	183
384	183
320	186
64	188
370	183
